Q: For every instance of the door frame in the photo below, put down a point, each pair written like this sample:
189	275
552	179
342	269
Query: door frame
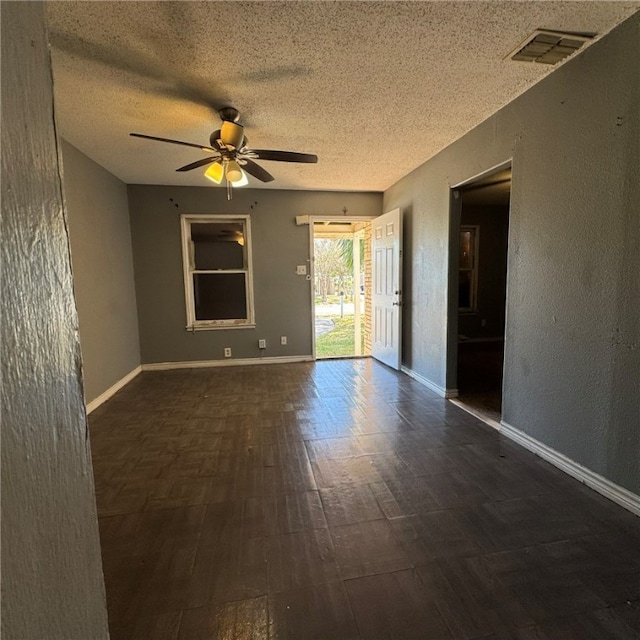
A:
455	212
311	220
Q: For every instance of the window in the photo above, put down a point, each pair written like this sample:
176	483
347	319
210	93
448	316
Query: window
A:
468	269
216	256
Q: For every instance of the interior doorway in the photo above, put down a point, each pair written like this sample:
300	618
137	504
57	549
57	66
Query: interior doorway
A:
481	237
341	288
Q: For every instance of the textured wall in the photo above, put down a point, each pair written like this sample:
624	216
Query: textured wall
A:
572	357
102	271
52	586
282	298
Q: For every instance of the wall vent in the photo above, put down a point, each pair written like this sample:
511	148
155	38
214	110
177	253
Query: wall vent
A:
549	47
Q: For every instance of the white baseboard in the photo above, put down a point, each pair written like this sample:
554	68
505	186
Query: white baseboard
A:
112	390
608	489
476	414
229	362
441	391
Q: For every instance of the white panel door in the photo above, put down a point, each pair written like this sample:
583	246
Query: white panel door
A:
386	268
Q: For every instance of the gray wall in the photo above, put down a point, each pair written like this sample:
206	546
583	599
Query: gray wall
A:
52	584
572	358
102	271
282	298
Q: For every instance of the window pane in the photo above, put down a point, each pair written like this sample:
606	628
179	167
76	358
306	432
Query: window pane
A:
464	289
218	245
220	296
467	242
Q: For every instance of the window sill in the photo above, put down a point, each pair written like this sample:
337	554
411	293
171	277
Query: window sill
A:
218	327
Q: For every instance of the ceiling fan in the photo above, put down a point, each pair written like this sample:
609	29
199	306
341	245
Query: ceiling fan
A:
232	156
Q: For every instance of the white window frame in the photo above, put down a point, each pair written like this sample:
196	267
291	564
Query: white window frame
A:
186	220
474	268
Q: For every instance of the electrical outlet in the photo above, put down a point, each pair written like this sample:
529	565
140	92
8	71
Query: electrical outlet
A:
227	352
283	340
262	343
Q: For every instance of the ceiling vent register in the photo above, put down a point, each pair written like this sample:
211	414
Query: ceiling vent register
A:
549	47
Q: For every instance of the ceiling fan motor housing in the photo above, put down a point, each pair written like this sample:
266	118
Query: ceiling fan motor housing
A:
232	134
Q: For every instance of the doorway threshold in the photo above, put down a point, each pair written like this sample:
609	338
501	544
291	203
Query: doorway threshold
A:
477	413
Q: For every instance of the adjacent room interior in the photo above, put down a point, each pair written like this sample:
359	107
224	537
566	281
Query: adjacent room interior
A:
483	216
180	459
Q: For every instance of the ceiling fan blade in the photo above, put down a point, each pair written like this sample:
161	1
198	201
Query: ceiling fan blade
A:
284	156
257	171
198	163
160	76
186	144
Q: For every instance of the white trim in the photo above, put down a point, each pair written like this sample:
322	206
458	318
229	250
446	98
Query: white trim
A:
312	287
441	391
483	174
345	218
112	390
476	414
201	364
204	327
311	220
608	489
188	269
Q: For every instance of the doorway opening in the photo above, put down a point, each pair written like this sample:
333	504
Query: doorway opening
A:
341	288
480	245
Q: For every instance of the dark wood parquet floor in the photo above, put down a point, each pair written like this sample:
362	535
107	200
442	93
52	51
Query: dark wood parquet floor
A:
342	500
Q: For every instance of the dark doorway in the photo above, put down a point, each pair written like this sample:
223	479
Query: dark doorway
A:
482	282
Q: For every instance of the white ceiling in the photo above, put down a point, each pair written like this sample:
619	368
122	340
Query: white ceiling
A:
373	88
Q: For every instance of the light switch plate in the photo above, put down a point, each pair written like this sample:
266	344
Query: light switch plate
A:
301	270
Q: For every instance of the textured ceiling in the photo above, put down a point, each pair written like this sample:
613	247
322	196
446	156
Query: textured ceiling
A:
373	88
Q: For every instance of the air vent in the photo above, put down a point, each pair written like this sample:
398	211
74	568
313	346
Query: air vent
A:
549	47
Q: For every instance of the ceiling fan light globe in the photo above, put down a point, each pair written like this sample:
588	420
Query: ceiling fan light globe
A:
243	182
233	173
215	172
